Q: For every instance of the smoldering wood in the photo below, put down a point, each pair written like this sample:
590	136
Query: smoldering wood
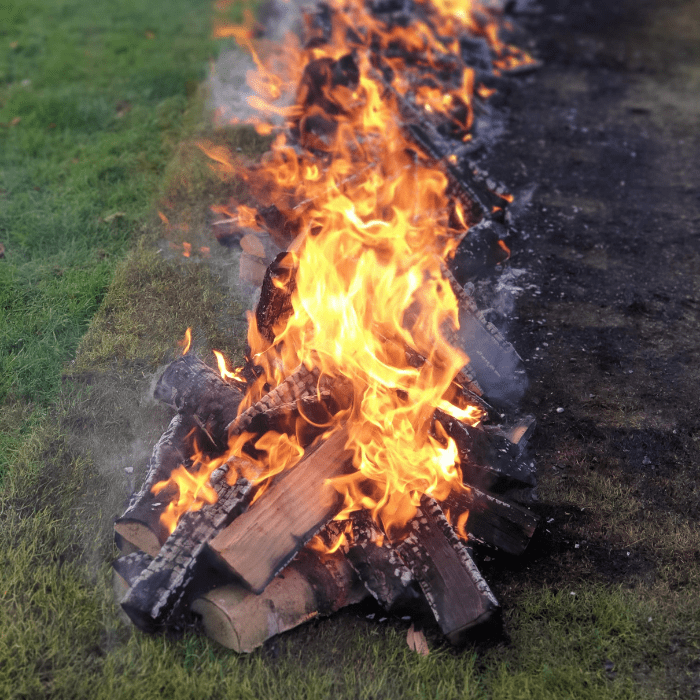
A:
275	304
262	541
302	382
458	595
378	564
492	520
161	591
140	523
312	585
488	459
192	387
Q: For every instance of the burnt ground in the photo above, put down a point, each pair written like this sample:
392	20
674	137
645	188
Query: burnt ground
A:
608	132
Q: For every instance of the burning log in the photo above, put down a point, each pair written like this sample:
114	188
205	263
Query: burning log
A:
161	590
457	593
203	400
140	525
311	586
262	541
275	303
492	520
302	382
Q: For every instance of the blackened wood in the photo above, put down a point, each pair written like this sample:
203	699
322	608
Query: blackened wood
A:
488	459
378	564
131	566
311	586
275	303
493	520
260	543
499	370
140	523
160	592
302	382
458	595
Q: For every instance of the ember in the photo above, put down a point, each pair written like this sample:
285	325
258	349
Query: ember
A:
354	453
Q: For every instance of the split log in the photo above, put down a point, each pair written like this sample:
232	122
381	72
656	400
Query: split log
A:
302	382
492	520
312	585
489	459
162	589
499	370
140	524
378	564
206	404
191	387
262	541
458	595
275	303
126	570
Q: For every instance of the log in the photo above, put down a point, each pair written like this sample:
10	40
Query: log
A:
140	523
457	593
262	541
126	570
162	590
312	585
488	458
252	269
302	382
498	369
275	303
378	564
193	388
492	520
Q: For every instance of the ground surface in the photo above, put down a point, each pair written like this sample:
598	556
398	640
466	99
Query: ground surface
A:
605	602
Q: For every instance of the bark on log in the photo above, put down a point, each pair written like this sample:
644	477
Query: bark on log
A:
312	585
160	592
300	383
492	520
193	388
457	593
260	543
140	524
275	303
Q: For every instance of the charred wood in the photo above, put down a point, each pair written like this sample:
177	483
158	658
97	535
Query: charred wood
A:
458	595
161	591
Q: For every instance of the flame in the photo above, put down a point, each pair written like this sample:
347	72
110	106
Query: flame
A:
369	225
186	342
225	373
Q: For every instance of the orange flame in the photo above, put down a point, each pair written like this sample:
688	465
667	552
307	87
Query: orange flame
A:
225	372
186	342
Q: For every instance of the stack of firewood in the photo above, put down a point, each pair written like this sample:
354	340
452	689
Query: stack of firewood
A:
246	566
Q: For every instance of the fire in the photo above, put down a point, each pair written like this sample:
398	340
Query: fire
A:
373	226
186	342
225	372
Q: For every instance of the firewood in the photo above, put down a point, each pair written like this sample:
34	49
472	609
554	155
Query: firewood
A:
312	585
140	523
160	592
206	403
191	387
489	459
262	541
457	593
252	269
378	564
493	520
302	382
275	303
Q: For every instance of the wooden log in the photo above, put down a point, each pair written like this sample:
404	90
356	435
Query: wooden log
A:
275	303
489	460
126	569
457	593
378	564
161	591
191	387
302	382
493	520
312	585
140	523
262	541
